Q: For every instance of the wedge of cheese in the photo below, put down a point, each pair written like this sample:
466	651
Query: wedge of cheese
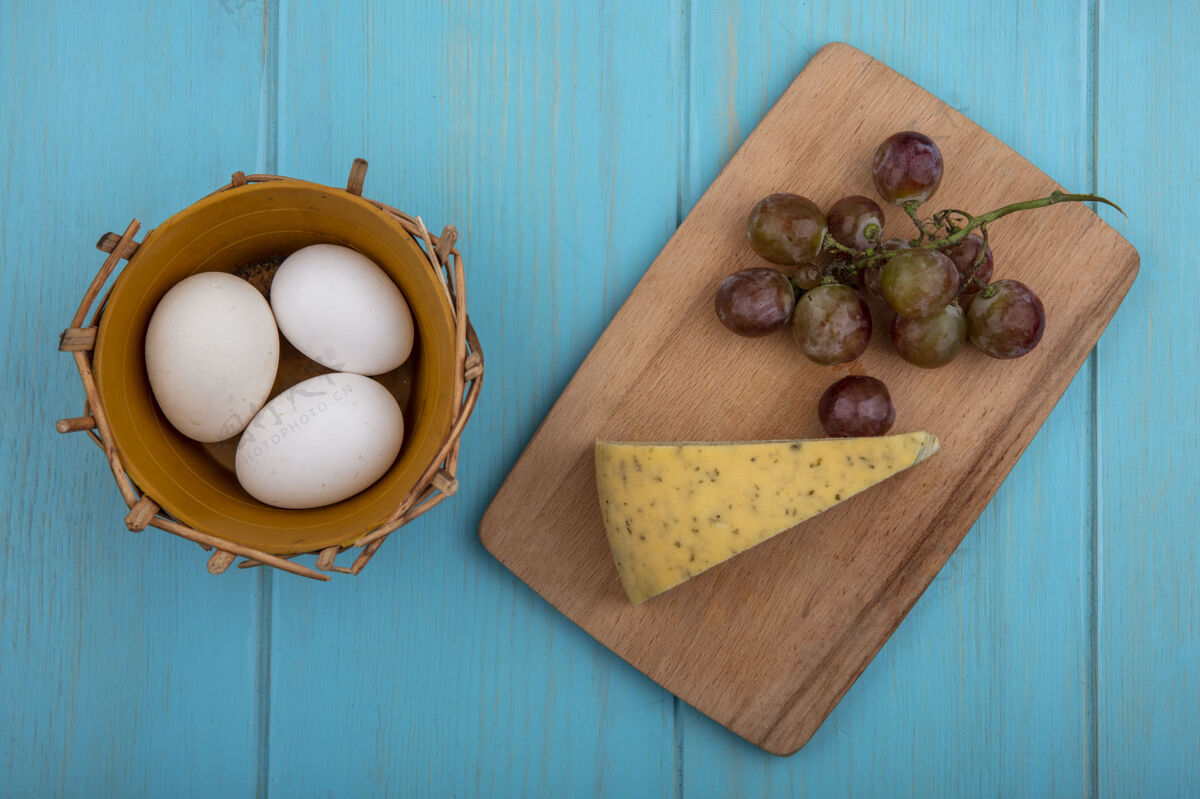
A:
672	511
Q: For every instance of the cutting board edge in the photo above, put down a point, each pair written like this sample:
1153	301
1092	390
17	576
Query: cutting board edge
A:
780	745
772	741
762	743
830	49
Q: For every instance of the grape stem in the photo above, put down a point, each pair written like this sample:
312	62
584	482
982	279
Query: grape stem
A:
833	244
910	208
864	258
943	219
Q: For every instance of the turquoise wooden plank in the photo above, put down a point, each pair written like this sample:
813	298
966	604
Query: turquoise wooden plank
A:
984	689
125	668
547	132
1148	641
128	670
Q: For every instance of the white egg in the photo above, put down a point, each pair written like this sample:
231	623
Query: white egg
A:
321	441
339	308
212	350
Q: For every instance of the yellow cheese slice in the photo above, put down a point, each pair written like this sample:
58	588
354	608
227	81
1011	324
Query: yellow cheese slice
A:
673	510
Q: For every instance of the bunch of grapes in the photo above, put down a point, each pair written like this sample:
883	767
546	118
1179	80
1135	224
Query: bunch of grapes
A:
938	284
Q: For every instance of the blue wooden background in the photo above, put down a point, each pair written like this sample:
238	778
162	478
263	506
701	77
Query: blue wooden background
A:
1057	654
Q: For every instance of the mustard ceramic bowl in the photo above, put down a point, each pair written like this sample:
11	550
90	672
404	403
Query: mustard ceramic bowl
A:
193	482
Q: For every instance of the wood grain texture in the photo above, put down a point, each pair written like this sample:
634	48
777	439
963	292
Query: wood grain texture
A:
985	688
769	642
546	133
1148	394
125	668
566	136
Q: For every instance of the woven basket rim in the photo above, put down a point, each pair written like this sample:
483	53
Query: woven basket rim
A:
437	481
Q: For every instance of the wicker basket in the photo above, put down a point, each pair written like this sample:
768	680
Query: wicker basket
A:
437	481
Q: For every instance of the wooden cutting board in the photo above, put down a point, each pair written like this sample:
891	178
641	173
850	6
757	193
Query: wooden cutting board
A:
768	642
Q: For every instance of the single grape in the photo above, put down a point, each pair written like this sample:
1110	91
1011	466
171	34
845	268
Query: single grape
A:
786	228
856	405
755	302
832	324
907	168
932	341
872	276
851	219
1006	320
807	276
919	282
964	254
871	279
